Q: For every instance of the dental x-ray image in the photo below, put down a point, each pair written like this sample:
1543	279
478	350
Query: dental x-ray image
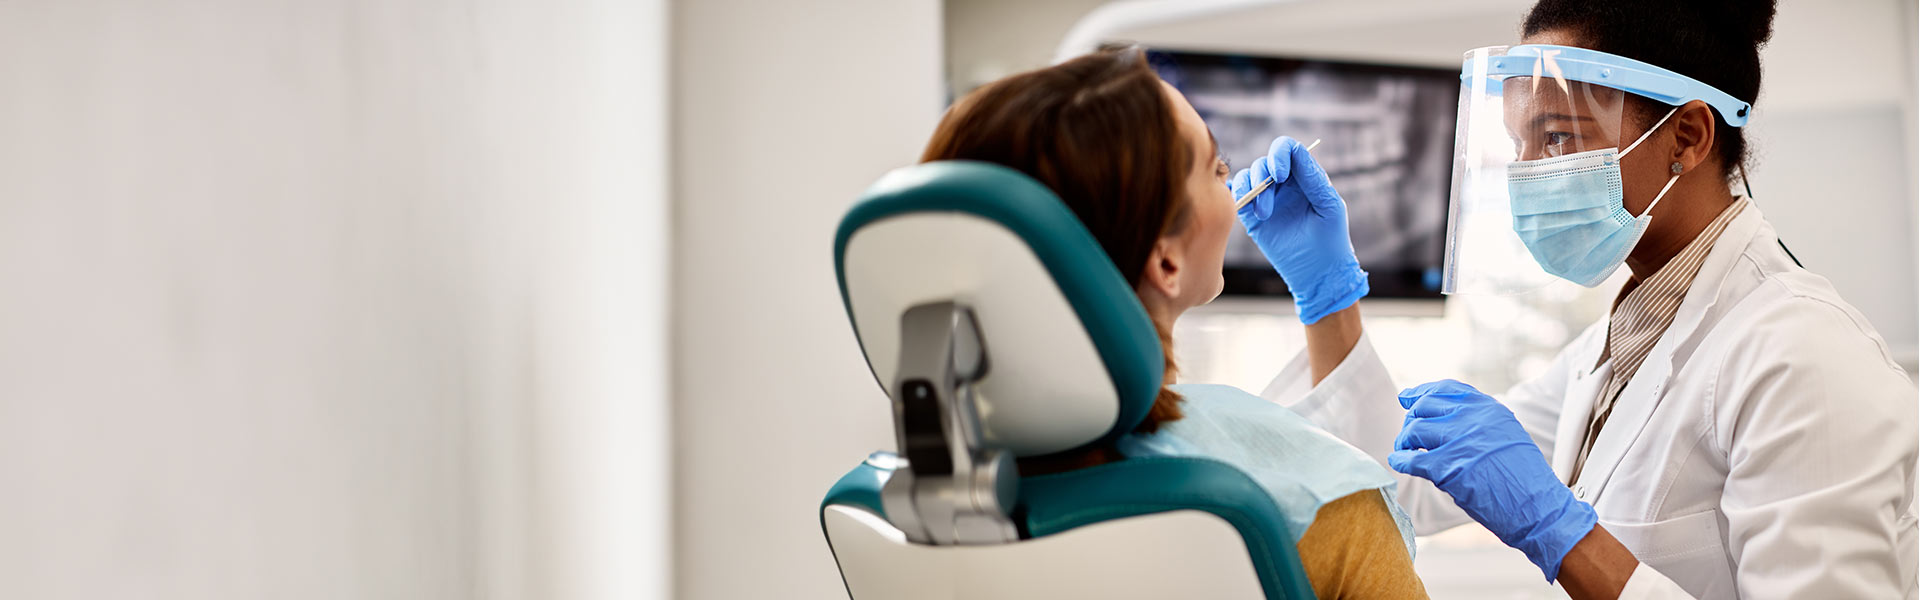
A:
1387	145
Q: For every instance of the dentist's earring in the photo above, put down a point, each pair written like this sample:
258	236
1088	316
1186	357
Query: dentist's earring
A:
1676	168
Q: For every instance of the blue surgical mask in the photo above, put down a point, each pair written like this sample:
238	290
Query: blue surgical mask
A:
1568	211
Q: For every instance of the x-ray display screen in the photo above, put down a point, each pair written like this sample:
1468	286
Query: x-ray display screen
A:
1386	142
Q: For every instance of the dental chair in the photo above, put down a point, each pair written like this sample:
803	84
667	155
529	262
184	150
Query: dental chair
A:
999	329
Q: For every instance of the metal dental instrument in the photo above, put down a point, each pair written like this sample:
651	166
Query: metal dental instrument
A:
1263	185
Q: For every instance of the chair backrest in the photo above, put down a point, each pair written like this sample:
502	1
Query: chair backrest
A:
1003	246
999	329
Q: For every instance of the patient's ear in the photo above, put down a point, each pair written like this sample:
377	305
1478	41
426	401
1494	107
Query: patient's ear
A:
1163	268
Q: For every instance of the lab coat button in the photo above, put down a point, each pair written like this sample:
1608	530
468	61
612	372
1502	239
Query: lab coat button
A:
1580	491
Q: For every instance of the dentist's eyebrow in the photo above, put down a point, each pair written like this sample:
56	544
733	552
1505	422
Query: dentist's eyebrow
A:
1542	119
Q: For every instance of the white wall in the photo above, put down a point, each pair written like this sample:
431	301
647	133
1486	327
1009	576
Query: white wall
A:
990	39
332	299
784	112
1833	164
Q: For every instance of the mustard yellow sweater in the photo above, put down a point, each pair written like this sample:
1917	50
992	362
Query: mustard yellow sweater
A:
1354	550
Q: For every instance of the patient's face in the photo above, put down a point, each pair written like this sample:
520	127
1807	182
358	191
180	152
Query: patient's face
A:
1204	240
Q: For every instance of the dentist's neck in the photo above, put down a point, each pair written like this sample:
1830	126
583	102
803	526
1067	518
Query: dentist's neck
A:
1695	200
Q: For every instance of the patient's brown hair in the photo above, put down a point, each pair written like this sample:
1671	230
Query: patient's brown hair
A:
1098	131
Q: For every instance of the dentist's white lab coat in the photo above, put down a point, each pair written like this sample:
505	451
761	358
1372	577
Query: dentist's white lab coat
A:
1765	448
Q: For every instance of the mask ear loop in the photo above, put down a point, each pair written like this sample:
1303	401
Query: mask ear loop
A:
1650	130
1663	193
1636	143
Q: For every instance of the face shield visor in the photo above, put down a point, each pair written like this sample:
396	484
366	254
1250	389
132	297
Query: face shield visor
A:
1540	133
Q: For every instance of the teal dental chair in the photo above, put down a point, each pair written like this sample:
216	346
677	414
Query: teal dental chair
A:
1000	329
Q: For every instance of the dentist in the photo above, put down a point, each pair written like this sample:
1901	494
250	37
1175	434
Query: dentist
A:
1732	429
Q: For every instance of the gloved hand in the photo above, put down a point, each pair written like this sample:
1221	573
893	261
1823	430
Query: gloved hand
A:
1300	224
1474	449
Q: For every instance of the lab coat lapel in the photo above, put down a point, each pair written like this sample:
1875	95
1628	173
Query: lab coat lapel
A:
1577	405
1642	394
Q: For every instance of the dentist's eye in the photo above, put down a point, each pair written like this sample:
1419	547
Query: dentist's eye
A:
1558	143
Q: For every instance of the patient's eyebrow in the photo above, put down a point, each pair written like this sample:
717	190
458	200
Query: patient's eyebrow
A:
1216	144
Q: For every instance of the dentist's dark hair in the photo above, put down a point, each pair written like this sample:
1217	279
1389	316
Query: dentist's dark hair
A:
1100	132
1714	41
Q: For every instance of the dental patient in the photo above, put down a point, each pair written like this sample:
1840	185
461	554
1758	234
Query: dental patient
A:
1134	161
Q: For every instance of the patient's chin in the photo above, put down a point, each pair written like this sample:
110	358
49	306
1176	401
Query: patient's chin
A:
1219	286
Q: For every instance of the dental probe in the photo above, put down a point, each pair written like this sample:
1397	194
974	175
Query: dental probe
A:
1263	185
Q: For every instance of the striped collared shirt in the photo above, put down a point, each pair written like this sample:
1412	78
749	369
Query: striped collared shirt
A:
1641	315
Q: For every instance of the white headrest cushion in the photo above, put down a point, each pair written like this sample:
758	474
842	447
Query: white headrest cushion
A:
1047	389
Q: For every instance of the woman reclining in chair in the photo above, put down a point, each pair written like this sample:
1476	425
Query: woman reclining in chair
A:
1139	168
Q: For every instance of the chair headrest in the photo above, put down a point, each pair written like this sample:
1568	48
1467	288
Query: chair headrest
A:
1074	359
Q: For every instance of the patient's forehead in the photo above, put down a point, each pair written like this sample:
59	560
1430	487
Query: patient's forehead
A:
1191	126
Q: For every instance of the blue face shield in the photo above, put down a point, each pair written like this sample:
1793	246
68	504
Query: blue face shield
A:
1537	193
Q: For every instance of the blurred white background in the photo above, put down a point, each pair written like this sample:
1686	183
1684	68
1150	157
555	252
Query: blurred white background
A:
512	299
333	299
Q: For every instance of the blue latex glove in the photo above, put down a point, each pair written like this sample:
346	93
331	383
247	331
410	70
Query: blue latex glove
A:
1474	449
1300	224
